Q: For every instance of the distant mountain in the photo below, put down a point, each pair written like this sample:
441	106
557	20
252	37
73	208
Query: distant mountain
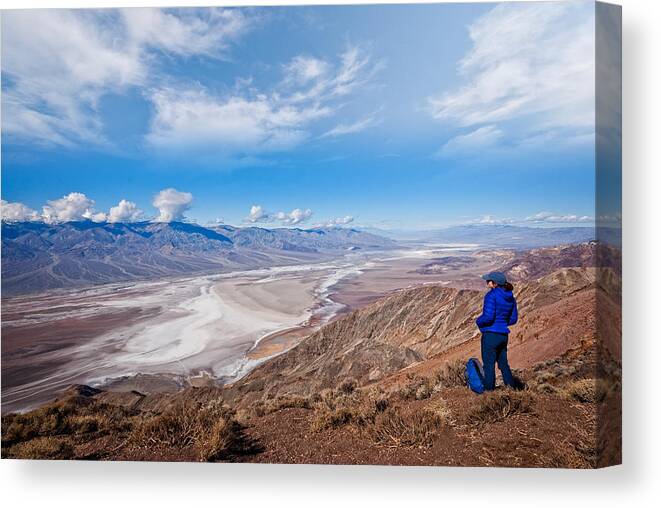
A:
503	236
303	240
38	256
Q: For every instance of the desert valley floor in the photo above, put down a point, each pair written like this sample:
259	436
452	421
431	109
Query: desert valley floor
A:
168	334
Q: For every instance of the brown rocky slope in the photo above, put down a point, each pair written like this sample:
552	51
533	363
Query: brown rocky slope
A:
424	327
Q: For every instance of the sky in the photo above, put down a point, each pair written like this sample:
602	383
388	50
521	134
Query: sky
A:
388	116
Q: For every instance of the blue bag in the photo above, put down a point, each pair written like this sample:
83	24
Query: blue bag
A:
475	375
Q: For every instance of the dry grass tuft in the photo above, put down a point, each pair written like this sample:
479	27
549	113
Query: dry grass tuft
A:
210	427
43	448
67	417
348	386
326	418
223	440
288	401
450	375
497	406
587	390
441	409
336	409
393	429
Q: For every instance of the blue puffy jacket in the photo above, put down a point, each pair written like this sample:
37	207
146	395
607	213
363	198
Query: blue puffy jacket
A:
498	312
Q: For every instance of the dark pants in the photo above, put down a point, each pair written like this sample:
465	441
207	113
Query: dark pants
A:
494	349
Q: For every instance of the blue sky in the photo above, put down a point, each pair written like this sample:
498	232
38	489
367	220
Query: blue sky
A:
397	116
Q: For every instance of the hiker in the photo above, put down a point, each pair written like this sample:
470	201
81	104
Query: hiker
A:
499	312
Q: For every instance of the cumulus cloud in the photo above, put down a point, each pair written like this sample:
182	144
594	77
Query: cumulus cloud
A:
490	220
59	63
75	206
17	212
125	211
257	214
296	216
553	217
171	204
338	221
528	61
248	120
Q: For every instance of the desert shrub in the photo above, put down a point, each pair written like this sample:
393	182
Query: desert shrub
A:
258	408
326	418
497	406
243	415
423	392
182	424
380	404
407	391
546	388
42	448
223	440
65	417
451	374
328	398
347	386
337	409
210	427
544	377
587	390
85	424
418	388
394	430
46	421
441	409
288	401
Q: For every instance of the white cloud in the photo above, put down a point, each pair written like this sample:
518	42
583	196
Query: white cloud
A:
17	212
553	217
75	206
257	214
193	118
351	128
478	139
326	81
492	220
296	216
59	63
338	221
531	62
250	121
185	32
171	204
125	211
303	69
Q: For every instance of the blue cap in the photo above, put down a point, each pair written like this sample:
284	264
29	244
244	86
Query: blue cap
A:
498	277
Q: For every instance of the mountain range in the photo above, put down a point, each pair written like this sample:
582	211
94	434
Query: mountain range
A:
495	235
39	256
